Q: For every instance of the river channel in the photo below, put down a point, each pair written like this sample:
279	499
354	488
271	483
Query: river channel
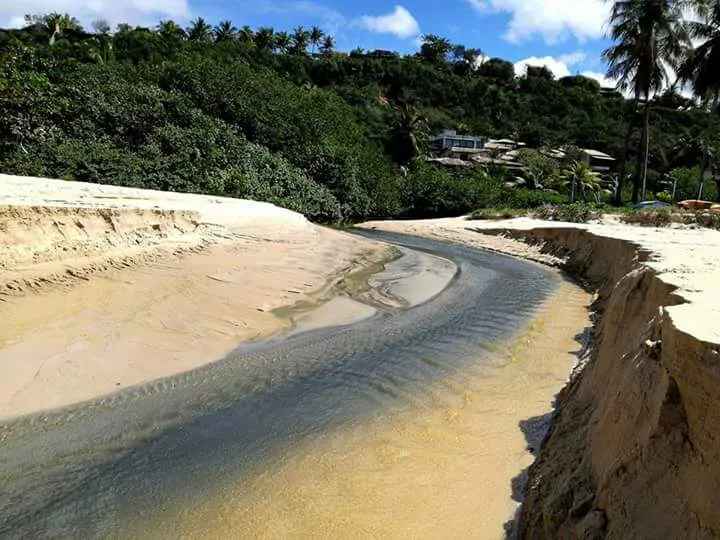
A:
313	434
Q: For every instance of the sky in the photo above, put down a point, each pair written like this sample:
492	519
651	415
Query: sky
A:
567	36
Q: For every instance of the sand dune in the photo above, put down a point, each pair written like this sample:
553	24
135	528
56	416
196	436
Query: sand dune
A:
103	287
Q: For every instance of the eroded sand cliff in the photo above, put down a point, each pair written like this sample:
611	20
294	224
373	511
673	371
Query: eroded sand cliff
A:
634	450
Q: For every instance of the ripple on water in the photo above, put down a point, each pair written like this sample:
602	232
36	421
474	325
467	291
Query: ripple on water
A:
143	455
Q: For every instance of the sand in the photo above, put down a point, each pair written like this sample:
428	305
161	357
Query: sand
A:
103	287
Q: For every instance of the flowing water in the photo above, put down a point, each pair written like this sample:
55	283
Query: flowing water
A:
366	430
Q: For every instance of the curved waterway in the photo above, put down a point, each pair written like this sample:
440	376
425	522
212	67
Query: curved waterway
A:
325	433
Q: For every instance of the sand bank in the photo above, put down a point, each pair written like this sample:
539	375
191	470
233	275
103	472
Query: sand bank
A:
104	287
633	451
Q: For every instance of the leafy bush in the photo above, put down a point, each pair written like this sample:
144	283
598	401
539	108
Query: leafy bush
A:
571	213
648	218
436	192
708	220
492	193
497	213
665	197
528	198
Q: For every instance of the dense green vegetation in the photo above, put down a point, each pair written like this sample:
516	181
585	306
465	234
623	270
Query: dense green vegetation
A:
281	117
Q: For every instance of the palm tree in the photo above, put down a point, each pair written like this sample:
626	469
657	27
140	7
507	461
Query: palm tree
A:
283	42
264	39
301	40
408	135
316	36
650	37
246	35
328	45
56	24
200	31
170	30
700	67
579	176
99	49
225	31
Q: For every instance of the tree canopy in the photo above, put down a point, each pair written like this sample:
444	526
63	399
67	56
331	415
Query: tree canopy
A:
282	116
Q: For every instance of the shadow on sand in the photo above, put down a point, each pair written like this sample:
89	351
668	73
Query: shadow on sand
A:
535	430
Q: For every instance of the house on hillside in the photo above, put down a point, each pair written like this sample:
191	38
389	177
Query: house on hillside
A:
504	145
452	145
599	162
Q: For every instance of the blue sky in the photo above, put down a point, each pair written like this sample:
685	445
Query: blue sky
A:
565	35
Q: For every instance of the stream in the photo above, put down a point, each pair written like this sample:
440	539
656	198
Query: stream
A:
281	416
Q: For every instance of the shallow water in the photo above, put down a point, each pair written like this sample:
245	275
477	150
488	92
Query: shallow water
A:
144	461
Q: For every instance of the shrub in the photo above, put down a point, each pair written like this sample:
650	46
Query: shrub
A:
664	196
648	218
497	213
571	213
493	193
709	220
437	192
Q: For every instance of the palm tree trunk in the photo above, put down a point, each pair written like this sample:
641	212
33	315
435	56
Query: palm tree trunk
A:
639	159
623	159
638	169
646	127
708	154
703	170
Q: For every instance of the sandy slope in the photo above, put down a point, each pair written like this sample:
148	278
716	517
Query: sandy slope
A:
104	287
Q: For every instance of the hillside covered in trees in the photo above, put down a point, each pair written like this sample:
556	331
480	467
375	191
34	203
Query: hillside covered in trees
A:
282	117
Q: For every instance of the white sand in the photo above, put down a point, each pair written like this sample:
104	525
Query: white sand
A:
104	287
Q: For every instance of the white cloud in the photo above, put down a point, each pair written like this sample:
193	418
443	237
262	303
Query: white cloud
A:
400	23
599	77
553	20
144	12
561	65
574	58
556	65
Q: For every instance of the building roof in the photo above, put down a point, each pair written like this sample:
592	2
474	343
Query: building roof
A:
598	155
448	133
507	163
560	153
462	150
450	162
